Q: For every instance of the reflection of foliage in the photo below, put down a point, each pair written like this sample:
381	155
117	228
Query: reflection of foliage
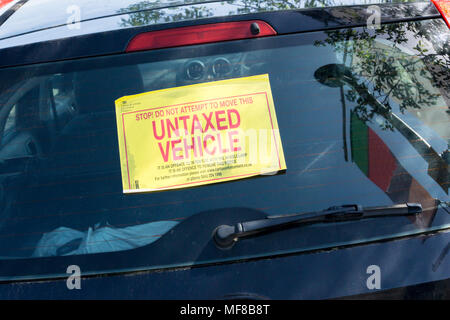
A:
251	5
271	5
148	12
141	13
407	64
384	70
387	72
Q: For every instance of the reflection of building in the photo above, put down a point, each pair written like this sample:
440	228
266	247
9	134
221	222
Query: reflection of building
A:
372	155
377	162
416	89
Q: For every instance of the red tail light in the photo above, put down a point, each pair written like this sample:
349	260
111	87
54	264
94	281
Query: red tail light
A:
444	8
4	2
200	34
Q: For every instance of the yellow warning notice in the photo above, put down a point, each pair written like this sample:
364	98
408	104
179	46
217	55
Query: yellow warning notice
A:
198	134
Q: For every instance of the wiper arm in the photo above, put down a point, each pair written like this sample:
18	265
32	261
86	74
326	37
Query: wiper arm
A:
225	236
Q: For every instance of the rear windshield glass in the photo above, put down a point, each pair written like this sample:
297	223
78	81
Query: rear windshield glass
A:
363	117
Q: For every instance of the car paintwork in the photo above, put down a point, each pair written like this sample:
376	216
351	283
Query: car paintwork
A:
340	272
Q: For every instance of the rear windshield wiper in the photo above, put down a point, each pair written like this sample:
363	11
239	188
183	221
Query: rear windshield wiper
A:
225	236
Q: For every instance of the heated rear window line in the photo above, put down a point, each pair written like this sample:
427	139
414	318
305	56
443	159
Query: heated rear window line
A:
362	195
180	202
106	194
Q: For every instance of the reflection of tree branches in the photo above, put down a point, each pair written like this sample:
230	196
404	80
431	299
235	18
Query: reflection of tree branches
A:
147	12
141	13
386	71
270	5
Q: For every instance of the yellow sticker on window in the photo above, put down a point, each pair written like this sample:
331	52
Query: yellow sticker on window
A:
198	134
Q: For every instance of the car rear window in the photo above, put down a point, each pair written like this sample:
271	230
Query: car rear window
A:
363	118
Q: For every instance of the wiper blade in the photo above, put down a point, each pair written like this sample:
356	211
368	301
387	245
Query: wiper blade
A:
225	236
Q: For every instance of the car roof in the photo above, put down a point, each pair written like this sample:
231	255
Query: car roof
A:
36	15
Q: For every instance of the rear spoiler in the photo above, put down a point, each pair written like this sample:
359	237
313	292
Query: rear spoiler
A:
282	22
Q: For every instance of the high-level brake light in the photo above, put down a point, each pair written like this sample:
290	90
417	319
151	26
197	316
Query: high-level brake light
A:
444	8
4	2
200	34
